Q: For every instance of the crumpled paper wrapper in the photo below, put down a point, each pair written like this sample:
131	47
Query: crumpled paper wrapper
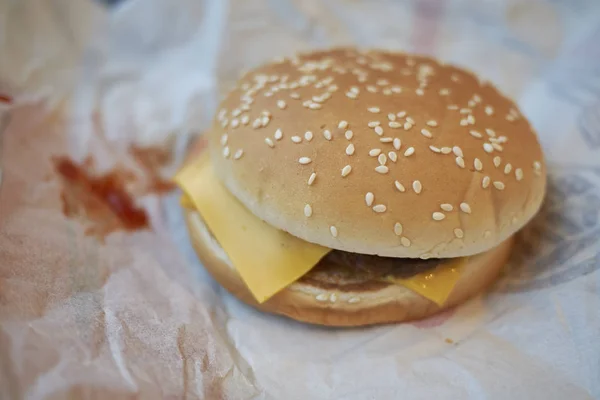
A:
135	316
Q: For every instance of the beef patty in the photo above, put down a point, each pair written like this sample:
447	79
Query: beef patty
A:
343	270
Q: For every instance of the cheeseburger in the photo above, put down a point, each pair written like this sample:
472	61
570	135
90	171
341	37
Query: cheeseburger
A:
348	187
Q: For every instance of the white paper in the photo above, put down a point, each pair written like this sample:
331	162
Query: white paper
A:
141	316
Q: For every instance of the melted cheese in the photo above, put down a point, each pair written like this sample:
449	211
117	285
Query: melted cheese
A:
268	259
435	285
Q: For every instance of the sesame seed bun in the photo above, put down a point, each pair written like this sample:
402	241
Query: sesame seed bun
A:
379	153
344	303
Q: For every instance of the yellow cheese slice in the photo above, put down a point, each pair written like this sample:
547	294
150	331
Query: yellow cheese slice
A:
266	258
435	285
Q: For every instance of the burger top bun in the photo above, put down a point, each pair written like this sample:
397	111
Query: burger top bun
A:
379	153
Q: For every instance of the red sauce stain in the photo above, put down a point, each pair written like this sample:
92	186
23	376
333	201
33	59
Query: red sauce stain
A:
5	98
102	200
435	320
151	160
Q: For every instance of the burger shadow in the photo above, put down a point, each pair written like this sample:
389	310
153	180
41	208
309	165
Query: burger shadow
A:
561	242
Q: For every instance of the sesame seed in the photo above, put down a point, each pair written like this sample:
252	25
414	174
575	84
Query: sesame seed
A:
332	88
397	143
476	134
269	142
304	160
465	207
374	152
391	116
537	167
477	98
466	111
296	139
314	106
373	124
432	123
485	182
307	210
398	228
460	162
327	134
488	147
379	208
351	95
438	216
369	198
386	140
497	146
454	78
353	300
245	119
471	103
379	130
446	207
333	230
401	114
281	104
396	89
312	178
343	124
224	123
510	118
322	297
399	186
489	110
308	135
490	132
373	109
224	138
278	134
392	156
444	92
333	298
346	170
452	107
382	169
382	159
395	124
457	151
257	123
470	119
372	89
410	120
458	233
226	151
519	174
405	241
446	150
419	92
350	149
507	168
265	120
354	89
464	122
497	161
294	95
417	186
499	185
238	154
349	134
235	123
435	149
477	164
502	139
409	152
426	133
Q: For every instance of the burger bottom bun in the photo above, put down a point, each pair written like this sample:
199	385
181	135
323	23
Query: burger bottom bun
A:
354	305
